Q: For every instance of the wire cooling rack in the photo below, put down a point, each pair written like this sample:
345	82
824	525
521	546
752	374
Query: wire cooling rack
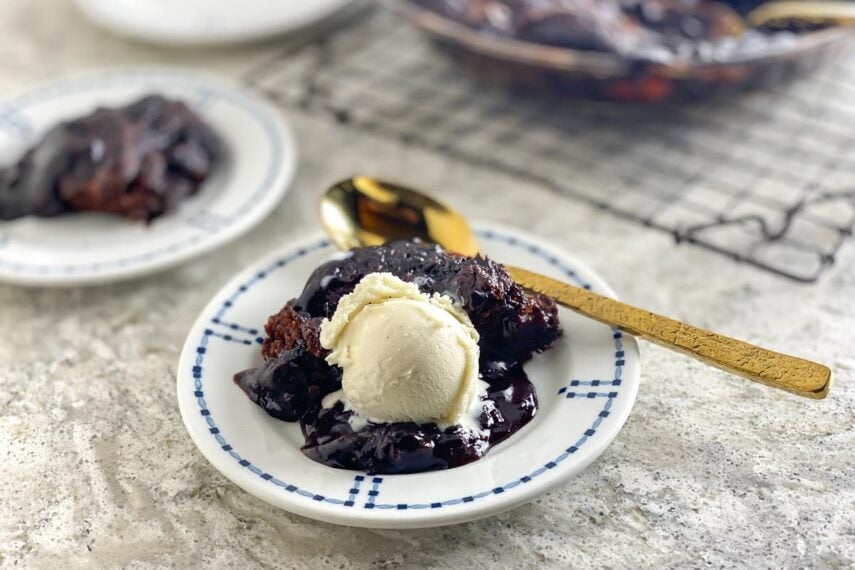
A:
767	179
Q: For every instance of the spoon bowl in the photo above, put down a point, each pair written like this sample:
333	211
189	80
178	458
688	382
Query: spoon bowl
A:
363	211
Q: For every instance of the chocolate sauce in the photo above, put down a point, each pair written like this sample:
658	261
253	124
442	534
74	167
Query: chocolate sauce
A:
405	447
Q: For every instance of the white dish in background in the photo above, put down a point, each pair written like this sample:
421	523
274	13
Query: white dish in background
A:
586	386
257	165
205	22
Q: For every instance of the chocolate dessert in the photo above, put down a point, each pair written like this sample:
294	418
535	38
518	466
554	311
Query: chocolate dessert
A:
652	31
136	161
295	377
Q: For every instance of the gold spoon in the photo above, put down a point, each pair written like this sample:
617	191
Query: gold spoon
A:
811	12
364	211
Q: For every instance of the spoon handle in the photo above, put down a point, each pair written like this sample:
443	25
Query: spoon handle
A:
819	12
802	377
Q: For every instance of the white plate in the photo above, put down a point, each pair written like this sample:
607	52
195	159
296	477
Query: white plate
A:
253	174
201	22
586	386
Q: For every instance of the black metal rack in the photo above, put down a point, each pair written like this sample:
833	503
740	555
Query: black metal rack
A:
768	178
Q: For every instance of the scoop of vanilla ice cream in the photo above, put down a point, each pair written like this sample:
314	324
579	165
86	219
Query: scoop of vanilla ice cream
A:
404	355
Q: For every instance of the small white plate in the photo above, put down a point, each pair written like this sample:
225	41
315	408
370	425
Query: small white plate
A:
586	385
206	22
257	165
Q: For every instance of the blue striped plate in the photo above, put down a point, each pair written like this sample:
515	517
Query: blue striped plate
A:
586	385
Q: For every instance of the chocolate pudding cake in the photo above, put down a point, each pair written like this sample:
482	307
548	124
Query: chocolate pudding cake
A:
137	161
296	381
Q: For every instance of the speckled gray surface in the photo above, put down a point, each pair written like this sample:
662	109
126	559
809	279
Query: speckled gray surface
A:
96	469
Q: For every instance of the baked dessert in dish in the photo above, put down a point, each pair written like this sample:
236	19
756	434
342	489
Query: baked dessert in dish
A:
137	161
403	358
652	31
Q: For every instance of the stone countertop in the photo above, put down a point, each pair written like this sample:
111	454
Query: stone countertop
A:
98	471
